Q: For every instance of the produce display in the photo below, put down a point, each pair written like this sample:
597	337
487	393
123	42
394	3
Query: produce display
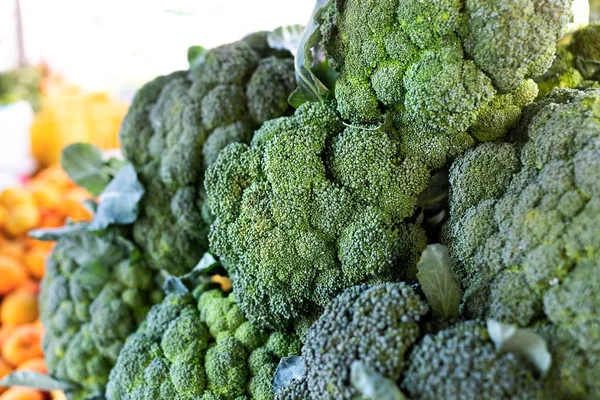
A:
44	201
399	201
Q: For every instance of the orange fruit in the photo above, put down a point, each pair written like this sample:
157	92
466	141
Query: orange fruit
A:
19	307
13	274
22	344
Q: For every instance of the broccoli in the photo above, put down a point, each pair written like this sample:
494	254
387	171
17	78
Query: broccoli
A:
95	293
310	208
576	62
461	362
573	373
524	221
198	345
175	128
375	324
448	72
21	84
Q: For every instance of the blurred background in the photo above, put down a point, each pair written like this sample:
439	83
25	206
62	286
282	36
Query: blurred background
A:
69	68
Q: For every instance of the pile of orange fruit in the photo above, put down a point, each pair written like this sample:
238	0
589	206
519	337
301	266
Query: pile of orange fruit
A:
44	201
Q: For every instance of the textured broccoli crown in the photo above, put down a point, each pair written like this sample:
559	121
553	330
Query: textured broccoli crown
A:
175	128
94	294
310	208
525	234
562	73
373	324
204	348
576	62
461	362
573	373
448	69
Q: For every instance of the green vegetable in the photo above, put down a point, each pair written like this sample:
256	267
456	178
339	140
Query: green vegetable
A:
198	346
524	226
310	208
375	325
95	293
21	84
175	128
461	362
446	72
577	63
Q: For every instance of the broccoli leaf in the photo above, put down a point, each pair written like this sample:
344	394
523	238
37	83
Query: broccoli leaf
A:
372	385
34	380
53	234
310	88
289	369
286	38
438	281
195	55
526	344
118	203
84	164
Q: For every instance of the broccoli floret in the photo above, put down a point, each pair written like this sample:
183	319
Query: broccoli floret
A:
448	71
524	231
95	293
373	324
310	208
562	73
576	62
573	374
175	128
198	346
461	362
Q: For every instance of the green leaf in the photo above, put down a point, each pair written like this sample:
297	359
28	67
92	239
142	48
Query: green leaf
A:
285	38
84	164
195	55
53	234
174	284
309	85
118	203
34	380
436	191
289	369
439	282
522	342
372	385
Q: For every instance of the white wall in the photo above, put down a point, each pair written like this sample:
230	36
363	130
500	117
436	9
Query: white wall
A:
9	57
114	43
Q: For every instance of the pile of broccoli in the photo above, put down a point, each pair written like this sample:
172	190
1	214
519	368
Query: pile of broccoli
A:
408	208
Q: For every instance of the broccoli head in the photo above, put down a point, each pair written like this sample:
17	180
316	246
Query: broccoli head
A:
461	362
95	293
198	346
448	71
524	227
375	324
310	208
175	128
